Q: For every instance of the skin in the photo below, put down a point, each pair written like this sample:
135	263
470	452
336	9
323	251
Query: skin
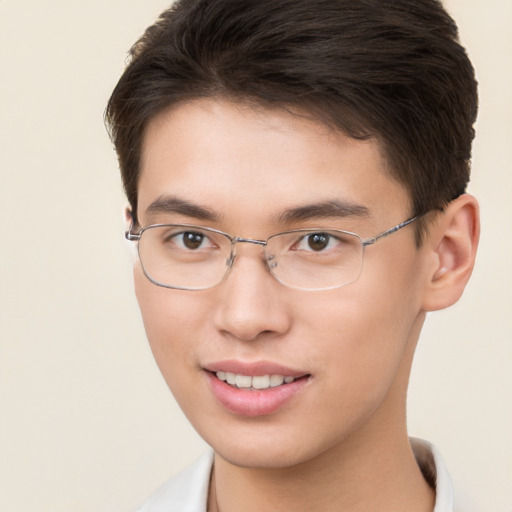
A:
341	442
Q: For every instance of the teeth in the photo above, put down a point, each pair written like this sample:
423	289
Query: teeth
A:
256	382
261	382
276	380
243	381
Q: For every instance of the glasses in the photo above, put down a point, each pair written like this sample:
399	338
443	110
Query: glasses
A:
187	257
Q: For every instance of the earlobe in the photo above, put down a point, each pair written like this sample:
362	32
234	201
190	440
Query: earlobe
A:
453	241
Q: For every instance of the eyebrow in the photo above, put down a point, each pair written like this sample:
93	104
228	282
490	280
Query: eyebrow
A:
172	204
324	210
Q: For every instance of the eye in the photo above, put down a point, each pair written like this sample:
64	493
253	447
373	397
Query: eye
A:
316	242
193	240
190	240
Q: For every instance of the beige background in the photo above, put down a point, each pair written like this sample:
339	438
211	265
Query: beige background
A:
86	422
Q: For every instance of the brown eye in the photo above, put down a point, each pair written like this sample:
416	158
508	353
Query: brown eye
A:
192	240
318	241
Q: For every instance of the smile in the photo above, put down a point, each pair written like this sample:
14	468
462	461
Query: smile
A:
257	382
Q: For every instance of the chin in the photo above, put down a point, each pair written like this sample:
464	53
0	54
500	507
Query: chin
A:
266	446
262	457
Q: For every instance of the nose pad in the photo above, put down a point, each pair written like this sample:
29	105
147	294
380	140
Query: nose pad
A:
271	261
230	260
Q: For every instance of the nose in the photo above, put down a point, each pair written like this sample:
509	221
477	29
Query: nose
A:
251	302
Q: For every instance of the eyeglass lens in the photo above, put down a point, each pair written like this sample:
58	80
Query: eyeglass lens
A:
193	258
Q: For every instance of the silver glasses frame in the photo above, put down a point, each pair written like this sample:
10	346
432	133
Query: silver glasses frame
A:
365	242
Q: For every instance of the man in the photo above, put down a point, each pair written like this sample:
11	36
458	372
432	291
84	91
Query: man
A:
296	174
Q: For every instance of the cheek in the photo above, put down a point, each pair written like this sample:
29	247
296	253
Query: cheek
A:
168	314
368	330
172	323
169	322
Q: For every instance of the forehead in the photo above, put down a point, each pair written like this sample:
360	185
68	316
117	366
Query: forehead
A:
254	163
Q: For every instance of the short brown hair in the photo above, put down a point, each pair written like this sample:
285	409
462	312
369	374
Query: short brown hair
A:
391	70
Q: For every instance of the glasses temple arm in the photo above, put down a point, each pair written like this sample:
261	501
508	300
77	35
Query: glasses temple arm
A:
390	231
132	237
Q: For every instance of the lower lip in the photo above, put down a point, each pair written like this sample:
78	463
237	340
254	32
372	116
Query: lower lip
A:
247	402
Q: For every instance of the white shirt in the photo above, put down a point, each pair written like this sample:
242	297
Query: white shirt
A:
188	491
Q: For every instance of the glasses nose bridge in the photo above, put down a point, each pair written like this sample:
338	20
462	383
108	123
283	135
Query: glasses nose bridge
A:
240	240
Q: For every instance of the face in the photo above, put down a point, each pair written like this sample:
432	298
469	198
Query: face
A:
348	350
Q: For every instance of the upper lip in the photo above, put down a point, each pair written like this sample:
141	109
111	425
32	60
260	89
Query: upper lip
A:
254	368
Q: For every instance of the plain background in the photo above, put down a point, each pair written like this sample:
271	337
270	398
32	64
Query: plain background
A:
86	421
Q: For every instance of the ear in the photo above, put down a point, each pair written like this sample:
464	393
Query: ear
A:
128	215
452	242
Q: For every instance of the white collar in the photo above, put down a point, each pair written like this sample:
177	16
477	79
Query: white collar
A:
435	473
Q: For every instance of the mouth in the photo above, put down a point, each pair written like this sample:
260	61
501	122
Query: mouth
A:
255	382
255	389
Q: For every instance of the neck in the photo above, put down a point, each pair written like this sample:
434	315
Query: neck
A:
354	477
